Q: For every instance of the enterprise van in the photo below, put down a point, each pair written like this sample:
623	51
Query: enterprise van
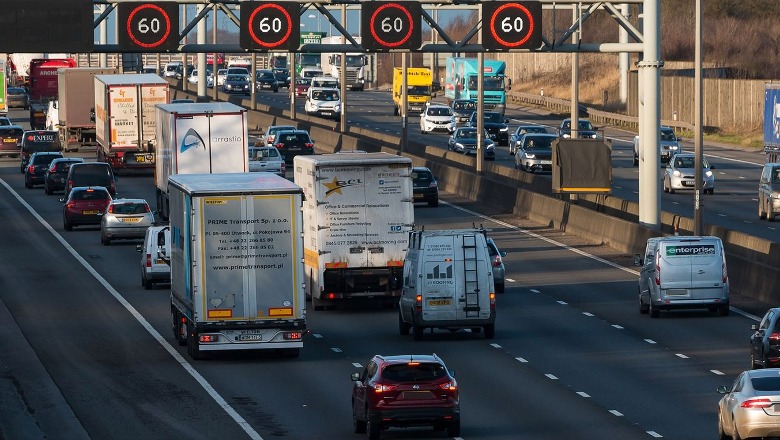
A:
448	283
683	273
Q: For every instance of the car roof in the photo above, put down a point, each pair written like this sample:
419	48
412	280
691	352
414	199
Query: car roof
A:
438	105
85	188
541	135
320	89
47	153
420	169
293	130
125	200
406	358
69	159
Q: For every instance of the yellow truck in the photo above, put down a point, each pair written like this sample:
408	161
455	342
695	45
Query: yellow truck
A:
419	84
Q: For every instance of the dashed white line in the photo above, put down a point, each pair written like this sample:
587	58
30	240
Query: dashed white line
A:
741	177
583	394
619	327
519	359
650	341
615	412
655	434
682	356
535	291
494	345
563	303
721	215
551	376
718	372
335	349
317	335
587	313
511	280
356	365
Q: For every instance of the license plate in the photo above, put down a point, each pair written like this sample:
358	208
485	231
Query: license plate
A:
546	162
418	196
327	113
89	212
439	302
250	337
687	183
131	220
139	158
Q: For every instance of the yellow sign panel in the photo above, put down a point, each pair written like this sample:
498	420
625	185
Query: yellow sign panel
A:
220	313
280	311
311	258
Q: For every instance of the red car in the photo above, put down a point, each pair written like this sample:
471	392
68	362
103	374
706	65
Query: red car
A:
302	87
405	390
85	205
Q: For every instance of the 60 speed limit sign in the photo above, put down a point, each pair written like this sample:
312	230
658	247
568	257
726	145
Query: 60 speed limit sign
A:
511	25
270	26
149	26
390	25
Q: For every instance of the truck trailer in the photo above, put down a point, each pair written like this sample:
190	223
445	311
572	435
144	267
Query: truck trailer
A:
357	212
772	122
462	78
198	138
44	87
419	85
75	105
236	263
125	118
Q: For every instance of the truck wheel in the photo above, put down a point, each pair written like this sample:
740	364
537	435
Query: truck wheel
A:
193	346
105	240
654	312
403	328
490	331
147	283
373	429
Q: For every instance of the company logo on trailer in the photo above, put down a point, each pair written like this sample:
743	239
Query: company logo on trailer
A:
336	185
191	139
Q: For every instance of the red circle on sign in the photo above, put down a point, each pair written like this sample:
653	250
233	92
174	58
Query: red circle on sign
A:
528	16
275	43
408	16
135	40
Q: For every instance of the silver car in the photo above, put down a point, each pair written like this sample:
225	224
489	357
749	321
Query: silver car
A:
680	171
533	152
125	218
266	159
497	262
751	407
769	192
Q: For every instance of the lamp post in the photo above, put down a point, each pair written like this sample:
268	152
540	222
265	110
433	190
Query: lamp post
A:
312	16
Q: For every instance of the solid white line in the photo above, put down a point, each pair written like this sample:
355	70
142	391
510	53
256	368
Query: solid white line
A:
141	320
511	280
718	372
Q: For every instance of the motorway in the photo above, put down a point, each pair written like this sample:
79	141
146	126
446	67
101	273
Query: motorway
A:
734	204
89	354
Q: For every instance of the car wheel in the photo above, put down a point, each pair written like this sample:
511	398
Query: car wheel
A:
721	434
27	183
453	429
403	328
373	429
67	225
105	240
358	425
636	161
47	190
710	191
735	435
770	215
517	167
761	213
671	190
654	312
666	188
147	283
434	203
643	308
500	288
753	364
490	331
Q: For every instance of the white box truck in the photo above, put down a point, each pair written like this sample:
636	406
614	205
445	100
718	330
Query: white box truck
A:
236	263
75	105
125	118
198	138
357	215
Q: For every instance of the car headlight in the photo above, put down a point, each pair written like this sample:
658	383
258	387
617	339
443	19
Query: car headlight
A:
228	86
337	107
453	120
673	147
459	145
504	128
776	195
567	135
489	147
676	173
708	173
593	136
529	155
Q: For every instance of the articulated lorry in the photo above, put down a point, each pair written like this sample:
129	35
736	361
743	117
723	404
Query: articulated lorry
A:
772	122
74	107
44	87
309	59
236	263
125	118
462	77
198	138
356	64
419	85
357	215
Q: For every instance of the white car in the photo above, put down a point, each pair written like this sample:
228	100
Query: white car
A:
221	74
437	117
266	159
324	102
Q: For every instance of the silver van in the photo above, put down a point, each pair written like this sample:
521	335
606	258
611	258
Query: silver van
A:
155	256
447	283
683	273
769	192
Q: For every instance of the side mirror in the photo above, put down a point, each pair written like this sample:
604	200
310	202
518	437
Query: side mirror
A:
355	377
722	389
503	254
62	200
637	260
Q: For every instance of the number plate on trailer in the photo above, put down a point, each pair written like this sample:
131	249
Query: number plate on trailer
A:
439	302
250	337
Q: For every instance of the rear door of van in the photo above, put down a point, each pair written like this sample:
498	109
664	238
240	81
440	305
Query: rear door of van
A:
707	268
691	268
476	277
440	278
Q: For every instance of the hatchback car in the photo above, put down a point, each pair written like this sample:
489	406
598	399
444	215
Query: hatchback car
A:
497	261
35	172
769	192
266	159
464	140
11	140
291	143
514	138
424	186
496	125
57	174
17	97
680	174
266	80
84	205
302	86
155	256
437	117
237	84
322	101
585	129
405	390
270	133
125	219
748	409
534	153
463	109
765	341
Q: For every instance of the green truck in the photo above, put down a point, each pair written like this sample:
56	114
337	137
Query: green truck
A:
309	59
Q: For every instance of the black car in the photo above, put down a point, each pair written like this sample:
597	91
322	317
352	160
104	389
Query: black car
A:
464	140
425	186
463	109
585	129
57	174
291	143
91	174
496	125
266	80
34	141
765	342
37	166
237	84
282	77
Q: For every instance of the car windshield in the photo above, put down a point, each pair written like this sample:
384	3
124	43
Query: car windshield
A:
323	95
414	372
421	178
236	78
464	105
418	90
489	83
16	91
585	125
294	137
467	134
5	121
130	208
493	117
90	194
274	130
439	111
11	131
668	135
263	154
538	143
776	178
308	59
303	81
688	162
266	75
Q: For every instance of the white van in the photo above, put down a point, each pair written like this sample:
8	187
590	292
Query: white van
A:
683	273
171	69
155	256
311	72
324	102
325	81
448	283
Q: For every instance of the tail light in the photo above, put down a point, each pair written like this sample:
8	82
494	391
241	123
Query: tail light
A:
418	303
284	166
309	145
112	187
383	387
492	302
71	205
756	403
724	273
148	260
110	209
774	337
658	269
497	261
147	208
449	386
31	168
279	145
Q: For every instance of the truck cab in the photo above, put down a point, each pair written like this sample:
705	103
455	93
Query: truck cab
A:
419	85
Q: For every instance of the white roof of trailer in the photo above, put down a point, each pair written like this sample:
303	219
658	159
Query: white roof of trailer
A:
202	107
124	79
233	183
354	158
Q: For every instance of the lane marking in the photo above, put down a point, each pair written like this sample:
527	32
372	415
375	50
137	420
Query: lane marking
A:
141	320
615	412
587	314
335	349
718	372
317	335
682	356
494	345
551	376
535	291
619	327
519	359
357	365
655	434
650	341
511	280
583	394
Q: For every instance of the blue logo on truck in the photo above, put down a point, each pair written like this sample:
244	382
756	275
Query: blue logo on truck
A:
191	139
